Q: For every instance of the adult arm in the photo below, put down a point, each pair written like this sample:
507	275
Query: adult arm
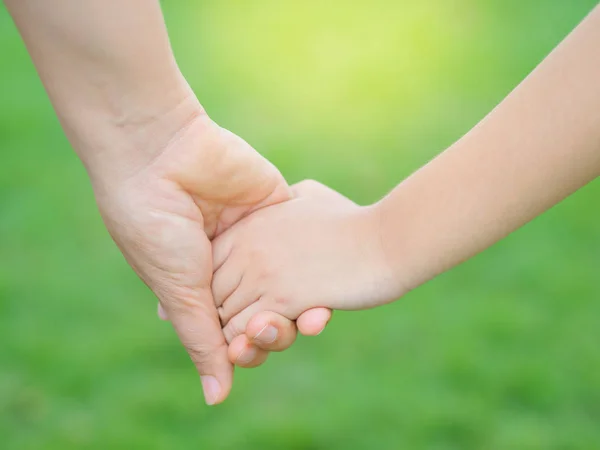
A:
166	178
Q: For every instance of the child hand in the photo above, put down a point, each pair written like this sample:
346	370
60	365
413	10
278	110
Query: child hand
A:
318	249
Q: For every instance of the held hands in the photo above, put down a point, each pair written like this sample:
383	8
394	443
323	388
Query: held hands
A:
169	185
317	250
163	212
287	255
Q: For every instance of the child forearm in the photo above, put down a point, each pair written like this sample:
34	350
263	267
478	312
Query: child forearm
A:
538	146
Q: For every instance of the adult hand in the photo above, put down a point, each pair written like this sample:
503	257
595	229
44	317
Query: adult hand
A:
162	216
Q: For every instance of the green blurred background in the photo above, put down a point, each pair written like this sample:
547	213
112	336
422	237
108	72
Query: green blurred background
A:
500	353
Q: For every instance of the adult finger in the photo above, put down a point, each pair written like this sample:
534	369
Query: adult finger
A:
162	314
197	324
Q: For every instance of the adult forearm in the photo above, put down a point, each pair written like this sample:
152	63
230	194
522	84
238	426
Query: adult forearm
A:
109	71
538	146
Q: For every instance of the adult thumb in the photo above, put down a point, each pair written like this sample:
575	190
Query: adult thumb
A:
197	324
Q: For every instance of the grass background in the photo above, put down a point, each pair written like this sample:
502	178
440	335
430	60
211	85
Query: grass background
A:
500	353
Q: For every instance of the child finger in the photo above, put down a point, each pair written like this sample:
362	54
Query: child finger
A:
238	323
271	331
244	295
313	321
226	280
243	353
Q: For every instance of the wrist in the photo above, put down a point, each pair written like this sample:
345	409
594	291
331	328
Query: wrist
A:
116	140
108	69
413	240
389	278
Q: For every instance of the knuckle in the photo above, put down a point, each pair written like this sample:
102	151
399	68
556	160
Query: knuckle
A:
201	354
307	184
285	305
257	255
281	301
263	276
307	188
188	307
185	300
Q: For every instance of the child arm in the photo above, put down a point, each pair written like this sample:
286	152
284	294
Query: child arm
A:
539	145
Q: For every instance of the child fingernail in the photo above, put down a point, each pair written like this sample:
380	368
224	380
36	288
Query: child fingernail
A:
267	335
211	388
246	355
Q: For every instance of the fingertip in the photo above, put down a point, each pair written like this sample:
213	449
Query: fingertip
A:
244	354
201	335
257	323
162	314
271	331
217	387
236	346
313	321
212	389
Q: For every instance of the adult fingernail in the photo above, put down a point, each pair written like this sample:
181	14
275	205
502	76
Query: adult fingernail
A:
246	355
267	335
211	388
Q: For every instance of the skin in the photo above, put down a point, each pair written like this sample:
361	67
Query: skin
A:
538	146
326	239
167	179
